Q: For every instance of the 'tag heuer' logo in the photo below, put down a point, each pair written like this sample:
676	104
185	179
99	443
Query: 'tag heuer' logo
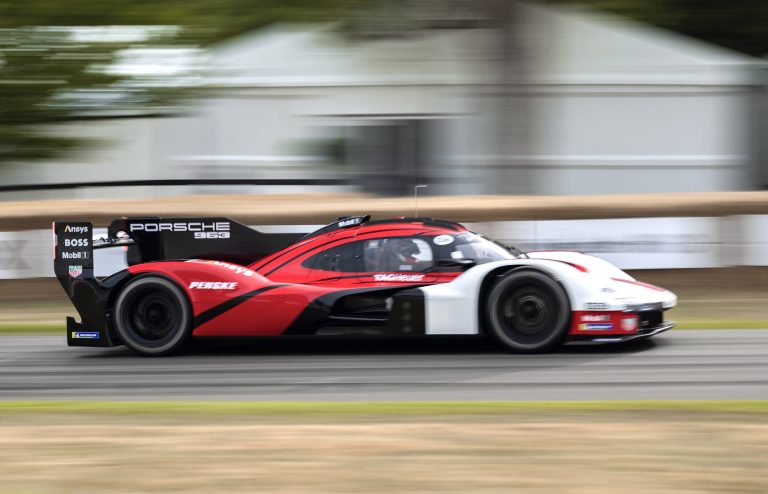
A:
398	277
75	271
629	324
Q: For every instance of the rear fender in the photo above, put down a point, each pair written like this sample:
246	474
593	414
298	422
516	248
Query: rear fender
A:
206	283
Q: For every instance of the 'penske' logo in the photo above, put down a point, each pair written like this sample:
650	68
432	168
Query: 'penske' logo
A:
192	226
213	285
75	229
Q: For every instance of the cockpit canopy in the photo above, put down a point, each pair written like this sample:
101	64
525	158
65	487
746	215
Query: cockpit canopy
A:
470	246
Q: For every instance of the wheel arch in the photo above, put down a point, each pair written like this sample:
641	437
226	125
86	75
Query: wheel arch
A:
492	276
119	286
165	282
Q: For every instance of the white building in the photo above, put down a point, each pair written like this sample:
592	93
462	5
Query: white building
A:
588	103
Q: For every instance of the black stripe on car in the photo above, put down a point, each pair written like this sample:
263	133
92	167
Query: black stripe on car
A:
220	309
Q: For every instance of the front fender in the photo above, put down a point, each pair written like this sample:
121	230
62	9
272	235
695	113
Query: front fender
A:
456	307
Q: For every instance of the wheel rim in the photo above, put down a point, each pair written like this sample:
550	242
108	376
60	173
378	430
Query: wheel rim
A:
151	317
526	314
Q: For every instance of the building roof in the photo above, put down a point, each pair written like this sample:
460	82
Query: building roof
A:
565	45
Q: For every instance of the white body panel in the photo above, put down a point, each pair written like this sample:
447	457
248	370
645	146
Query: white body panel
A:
454	308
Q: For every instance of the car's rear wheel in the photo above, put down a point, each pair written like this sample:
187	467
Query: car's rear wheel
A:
152	316
527	311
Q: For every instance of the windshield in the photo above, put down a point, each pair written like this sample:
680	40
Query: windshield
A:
472	246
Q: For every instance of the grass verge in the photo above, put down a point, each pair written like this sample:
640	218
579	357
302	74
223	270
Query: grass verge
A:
664	447
31	328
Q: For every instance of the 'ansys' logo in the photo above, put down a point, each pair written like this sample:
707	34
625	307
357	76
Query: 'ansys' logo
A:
75	229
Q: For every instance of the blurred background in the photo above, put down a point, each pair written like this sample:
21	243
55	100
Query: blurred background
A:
489	97
470	96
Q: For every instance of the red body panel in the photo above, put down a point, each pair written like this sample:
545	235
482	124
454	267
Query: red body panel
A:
267	314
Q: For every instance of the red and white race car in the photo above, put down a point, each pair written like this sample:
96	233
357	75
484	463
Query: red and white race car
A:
213	277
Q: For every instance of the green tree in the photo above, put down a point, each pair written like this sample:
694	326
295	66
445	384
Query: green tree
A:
53	70
53	63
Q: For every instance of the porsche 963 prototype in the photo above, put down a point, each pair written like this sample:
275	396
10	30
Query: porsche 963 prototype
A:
213	277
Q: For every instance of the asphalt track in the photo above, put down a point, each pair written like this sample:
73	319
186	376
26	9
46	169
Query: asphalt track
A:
707	364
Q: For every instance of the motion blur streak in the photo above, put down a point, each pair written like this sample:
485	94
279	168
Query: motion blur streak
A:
711	364
484	97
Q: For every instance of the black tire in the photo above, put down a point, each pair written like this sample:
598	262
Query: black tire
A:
528	312
152	316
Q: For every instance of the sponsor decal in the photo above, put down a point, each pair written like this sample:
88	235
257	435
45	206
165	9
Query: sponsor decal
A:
629	324
86	335
350	222
76	242
74	255
75	271
443	240
595	317
75	229
607	289
596	306
201	229
213	285
596	326
233	267
398	277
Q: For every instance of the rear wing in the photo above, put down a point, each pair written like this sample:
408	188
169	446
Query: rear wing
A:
220	239
157	239
73	267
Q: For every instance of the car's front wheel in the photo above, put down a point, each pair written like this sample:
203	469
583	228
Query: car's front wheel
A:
527	311
152	316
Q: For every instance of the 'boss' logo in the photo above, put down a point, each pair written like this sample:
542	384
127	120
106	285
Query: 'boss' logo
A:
76	242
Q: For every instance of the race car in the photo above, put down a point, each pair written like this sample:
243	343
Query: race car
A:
214	277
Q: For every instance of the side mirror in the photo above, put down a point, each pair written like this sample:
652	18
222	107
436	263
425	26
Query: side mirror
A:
454	264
